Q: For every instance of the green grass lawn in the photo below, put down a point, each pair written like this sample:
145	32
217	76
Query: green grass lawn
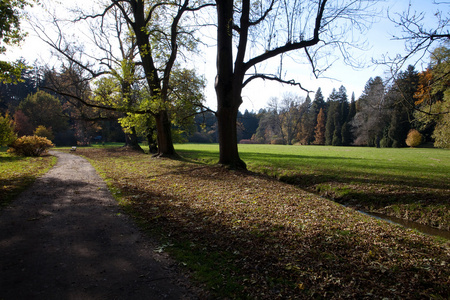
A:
410	183
426	163
243	235
17	173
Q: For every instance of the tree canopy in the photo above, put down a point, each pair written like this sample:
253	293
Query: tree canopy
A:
132	59
11	34
433	98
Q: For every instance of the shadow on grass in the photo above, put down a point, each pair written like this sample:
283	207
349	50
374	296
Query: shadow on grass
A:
10	188
20	173
355	175
244	250
353	169
4	159
270	260
355	189
420	192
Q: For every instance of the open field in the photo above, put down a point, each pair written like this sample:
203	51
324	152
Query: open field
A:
244	235
17	173
408	183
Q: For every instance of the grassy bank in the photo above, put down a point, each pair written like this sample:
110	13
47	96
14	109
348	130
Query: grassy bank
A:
17	173
408	183
247	236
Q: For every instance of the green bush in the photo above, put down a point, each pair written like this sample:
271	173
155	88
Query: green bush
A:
43	131
414	138
30	146
277	141
7	134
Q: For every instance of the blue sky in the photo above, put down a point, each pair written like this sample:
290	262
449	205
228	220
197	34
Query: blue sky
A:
380	42
257	94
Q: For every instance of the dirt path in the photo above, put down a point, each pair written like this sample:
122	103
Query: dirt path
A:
65	238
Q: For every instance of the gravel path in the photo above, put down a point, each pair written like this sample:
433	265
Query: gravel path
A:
65	238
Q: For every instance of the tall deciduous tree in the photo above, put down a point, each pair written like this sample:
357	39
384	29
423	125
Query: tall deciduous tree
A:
185	95
400	99
22	124
371	116
433	98
419	33
42	108
269	128
160	31
12	93
290	116
11	34
286	26
281	122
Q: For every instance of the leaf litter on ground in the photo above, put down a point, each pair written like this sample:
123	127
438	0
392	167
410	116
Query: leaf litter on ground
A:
245	235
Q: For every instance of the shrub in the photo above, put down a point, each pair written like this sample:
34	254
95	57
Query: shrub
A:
414	138
247	141
43	131
386	142
7	134
30	146
277	141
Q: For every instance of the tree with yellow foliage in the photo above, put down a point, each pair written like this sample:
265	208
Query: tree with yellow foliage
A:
433	97
7	134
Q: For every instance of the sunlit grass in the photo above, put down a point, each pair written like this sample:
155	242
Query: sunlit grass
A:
426	163
246	236
17	173
410	183
93	145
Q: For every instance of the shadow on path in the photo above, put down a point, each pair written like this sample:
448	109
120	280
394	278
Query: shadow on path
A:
65	238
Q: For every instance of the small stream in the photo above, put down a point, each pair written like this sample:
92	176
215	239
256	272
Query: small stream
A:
410	224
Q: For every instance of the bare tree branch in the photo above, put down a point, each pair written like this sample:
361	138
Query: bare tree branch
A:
264	15
417	36
291	46
274	78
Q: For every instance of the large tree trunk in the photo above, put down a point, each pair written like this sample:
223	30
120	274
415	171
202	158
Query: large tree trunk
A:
164	132
131	140
226	121
152	143
163	125
228	89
